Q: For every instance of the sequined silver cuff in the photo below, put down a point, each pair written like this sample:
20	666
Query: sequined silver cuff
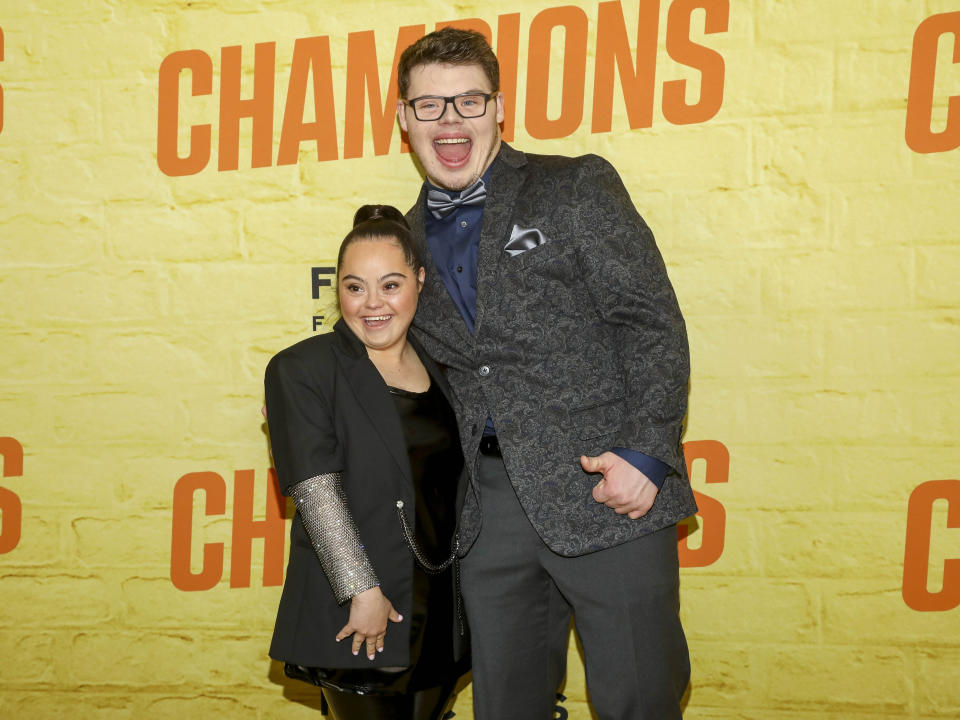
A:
322	506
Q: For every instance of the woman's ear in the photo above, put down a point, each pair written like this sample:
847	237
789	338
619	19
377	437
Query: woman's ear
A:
421	276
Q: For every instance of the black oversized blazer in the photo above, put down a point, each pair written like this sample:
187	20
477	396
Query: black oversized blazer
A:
329	410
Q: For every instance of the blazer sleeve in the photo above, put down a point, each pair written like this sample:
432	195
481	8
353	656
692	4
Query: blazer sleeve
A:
627	281
300	420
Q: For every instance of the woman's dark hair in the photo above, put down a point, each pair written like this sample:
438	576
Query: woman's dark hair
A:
448	46
383	222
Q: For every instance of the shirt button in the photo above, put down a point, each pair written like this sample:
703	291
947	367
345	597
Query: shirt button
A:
463	223
459	268
484	370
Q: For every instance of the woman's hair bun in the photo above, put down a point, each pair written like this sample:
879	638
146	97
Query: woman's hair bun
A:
372	213
383	222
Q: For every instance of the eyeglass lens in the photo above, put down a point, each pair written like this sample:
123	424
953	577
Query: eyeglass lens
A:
431	108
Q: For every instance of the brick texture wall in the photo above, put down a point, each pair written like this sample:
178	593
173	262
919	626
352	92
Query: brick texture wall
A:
816	257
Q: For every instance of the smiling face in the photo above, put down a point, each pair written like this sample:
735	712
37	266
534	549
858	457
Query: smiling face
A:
453	151
378	292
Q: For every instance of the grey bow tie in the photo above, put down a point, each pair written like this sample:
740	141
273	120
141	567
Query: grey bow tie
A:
440	204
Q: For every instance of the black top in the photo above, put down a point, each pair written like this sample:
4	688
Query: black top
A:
430	430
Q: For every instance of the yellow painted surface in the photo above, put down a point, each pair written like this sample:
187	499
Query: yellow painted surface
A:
815	255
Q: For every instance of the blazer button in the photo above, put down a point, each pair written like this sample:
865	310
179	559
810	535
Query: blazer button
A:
484	370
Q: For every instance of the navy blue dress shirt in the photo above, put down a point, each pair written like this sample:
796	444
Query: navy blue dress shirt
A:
454	241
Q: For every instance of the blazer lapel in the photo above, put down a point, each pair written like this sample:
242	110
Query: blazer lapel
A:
436	375
372	395
507	178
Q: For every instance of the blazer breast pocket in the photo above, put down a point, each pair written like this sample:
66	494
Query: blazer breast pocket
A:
594	421
535	256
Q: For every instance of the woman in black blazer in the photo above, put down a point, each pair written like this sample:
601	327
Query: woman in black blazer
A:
365	442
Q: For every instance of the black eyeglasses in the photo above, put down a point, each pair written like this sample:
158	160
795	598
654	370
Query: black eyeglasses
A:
468	105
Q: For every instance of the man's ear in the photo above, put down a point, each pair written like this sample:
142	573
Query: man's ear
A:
401	114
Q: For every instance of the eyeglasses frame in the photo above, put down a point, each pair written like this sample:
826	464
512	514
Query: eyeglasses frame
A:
451	100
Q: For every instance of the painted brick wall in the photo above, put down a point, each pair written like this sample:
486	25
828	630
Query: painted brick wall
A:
816	257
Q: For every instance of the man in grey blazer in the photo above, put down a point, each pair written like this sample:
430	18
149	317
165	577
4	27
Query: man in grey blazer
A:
549	304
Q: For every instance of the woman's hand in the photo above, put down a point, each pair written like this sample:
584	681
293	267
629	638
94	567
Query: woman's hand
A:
369	612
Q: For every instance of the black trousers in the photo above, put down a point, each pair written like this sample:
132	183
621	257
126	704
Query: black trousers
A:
519	596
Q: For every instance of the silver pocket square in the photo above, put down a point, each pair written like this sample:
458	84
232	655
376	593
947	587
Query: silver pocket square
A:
523	239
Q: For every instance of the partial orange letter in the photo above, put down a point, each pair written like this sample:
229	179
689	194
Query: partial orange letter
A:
168	113
183	492
920	138
258	108
574	23
916	557
273	529
712	512
708	61
637	79
309	54
1	86
11	510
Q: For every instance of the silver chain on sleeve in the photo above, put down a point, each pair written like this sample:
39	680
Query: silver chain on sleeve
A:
322	506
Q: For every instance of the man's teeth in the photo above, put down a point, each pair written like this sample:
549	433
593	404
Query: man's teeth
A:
451	141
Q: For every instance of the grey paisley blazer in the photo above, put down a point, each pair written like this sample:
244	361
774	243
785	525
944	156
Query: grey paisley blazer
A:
579	346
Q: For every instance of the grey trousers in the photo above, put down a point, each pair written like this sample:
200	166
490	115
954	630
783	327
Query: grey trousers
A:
519	596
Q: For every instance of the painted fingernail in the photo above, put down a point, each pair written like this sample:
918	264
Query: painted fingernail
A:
356	652
399	618
379	649
371	656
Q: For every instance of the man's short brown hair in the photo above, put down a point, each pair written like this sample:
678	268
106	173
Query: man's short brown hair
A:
450	46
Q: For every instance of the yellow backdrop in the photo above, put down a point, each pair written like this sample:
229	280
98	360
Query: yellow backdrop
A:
175	180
